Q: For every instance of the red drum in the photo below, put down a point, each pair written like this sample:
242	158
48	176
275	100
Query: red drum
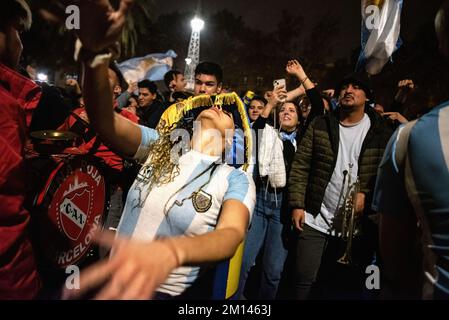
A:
69	205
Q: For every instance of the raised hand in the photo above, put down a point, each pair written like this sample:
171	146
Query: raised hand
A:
405	88
294	68
100	25
278	97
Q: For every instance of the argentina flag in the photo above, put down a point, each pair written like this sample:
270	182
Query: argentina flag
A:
381	27
152	67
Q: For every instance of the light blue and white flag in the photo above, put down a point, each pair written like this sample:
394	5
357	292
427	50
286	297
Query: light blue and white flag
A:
381	28
152	67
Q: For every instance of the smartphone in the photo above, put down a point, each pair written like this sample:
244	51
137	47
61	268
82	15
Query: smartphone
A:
71	76
279	83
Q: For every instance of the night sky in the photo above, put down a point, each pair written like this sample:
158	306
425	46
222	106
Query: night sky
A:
265	15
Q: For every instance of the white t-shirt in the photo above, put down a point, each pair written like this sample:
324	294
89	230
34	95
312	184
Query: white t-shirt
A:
349	148
144	218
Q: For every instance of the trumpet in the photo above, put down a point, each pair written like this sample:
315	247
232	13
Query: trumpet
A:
348	228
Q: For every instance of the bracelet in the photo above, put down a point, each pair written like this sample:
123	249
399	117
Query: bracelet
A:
303	81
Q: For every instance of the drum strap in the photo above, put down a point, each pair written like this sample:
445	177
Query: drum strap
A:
95	146
82	128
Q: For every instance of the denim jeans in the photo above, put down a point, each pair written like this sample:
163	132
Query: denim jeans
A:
265	232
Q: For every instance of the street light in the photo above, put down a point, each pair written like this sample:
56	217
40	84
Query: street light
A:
42	77
193	56
197	24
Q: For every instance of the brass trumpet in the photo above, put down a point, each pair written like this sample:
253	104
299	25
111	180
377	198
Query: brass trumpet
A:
348	228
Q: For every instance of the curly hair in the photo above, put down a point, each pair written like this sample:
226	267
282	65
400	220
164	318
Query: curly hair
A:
159	165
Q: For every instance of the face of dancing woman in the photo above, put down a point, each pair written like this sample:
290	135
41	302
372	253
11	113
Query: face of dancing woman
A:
218	123
216	118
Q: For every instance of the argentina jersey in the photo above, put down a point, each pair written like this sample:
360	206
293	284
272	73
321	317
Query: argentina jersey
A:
188	206
429	161
428	150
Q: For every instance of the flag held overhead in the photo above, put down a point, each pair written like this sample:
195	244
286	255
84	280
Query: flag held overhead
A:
381	27
152	67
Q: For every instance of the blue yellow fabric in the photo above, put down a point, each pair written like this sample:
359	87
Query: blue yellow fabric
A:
231	101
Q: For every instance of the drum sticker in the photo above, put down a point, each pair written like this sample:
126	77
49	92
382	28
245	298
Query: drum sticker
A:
76	210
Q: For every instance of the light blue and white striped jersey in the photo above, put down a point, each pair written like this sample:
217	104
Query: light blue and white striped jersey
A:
428	150
189	206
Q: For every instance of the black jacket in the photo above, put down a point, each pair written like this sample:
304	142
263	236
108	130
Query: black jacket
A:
316	157
150	116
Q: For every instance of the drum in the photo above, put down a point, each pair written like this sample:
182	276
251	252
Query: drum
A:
69	202
53	141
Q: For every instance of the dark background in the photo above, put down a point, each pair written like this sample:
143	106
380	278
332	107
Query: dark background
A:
253	40
265	15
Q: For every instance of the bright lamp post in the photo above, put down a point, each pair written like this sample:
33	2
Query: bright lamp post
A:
197	24
193	57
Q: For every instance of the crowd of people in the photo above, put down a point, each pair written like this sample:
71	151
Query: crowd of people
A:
312	185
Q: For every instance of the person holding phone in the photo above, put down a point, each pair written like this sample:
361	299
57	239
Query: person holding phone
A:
277	146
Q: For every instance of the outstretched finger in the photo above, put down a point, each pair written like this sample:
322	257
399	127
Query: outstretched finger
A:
92	278
119	283
137	288
112	290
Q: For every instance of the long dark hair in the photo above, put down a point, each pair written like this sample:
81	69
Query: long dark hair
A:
278	111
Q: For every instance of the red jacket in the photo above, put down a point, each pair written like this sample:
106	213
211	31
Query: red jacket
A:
111	159
18	273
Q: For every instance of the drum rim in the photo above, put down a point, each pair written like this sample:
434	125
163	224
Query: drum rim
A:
54	135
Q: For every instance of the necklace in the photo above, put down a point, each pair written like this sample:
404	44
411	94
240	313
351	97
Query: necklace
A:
197	196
